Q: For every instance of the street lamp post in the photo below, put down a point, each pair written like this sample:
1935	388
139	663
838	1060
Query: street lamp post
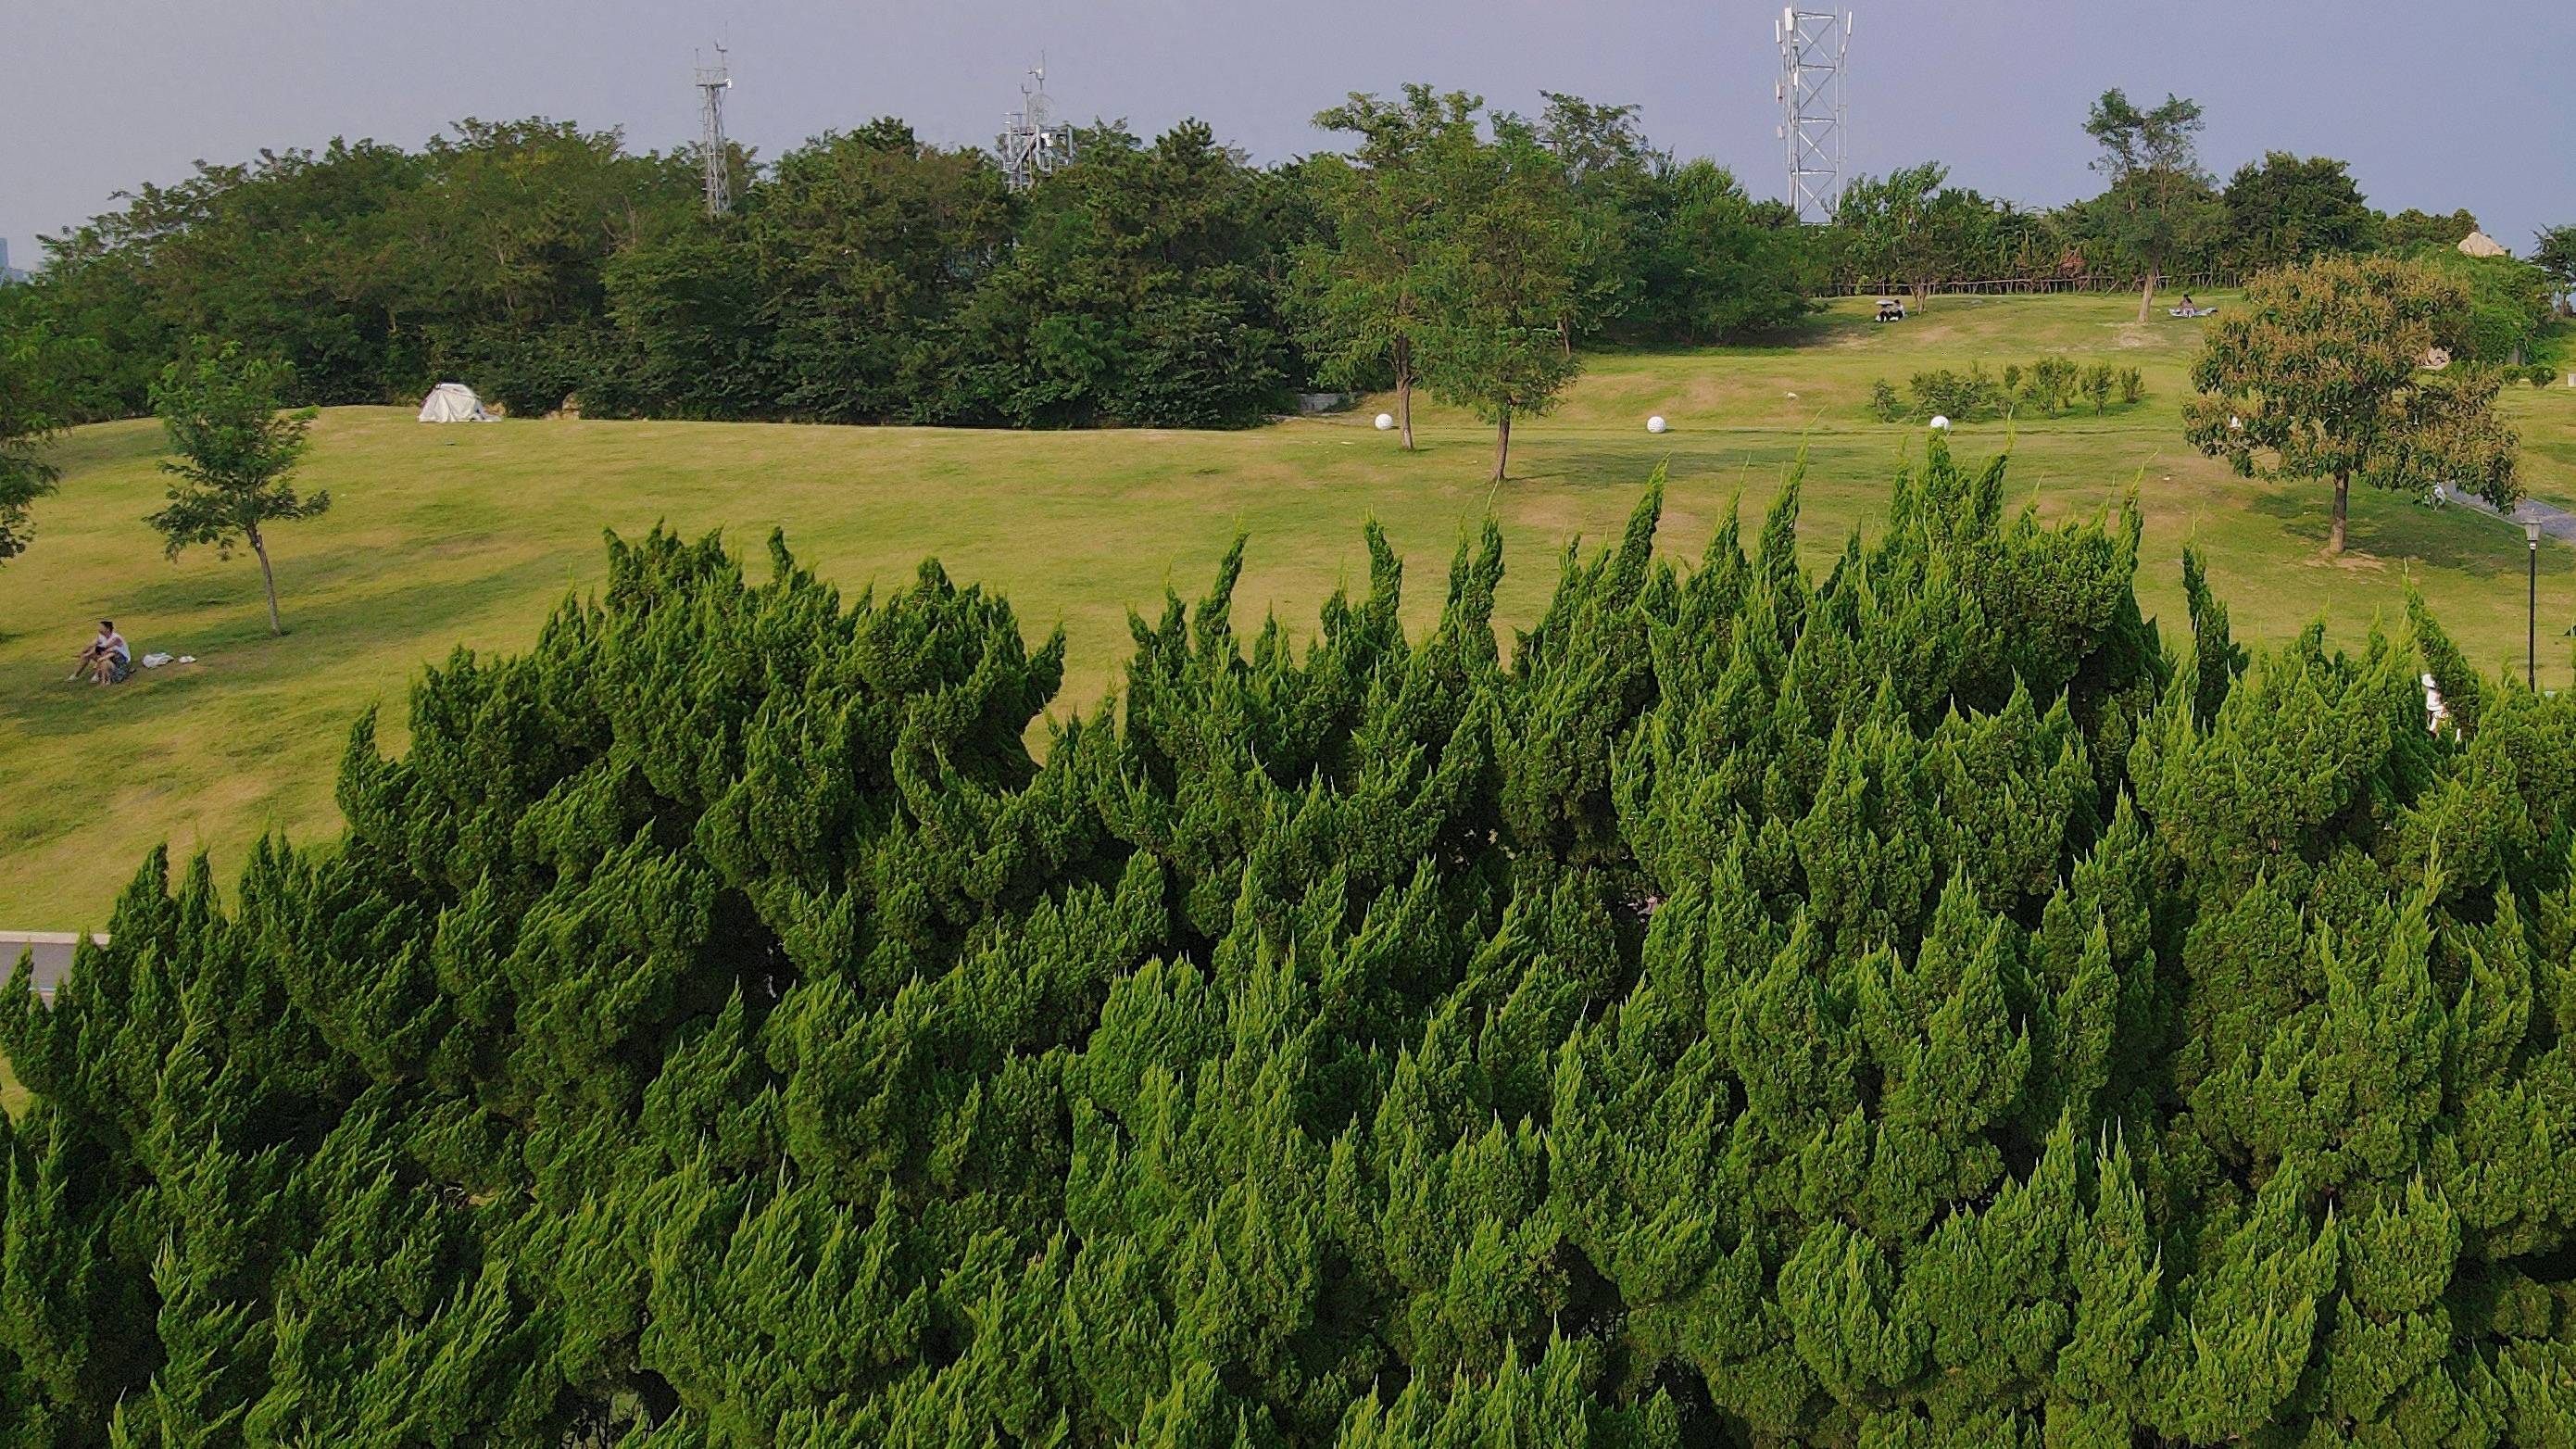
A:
2531	639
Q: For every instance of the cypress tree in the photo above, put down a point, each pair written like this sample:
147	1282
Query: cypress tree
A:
1899	1005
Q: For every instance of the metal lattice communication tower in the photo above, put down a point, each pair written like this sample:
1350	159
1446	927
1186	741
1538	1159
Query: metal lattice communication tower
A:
716	158
1033	143
1814	48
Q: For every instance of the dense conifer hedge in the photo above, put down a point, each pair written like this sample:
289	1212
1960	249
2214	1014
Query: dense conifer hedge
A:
1913	1006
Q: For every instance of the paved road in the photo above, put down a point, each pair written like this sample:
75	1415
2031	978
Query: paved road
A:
52	950
2554	522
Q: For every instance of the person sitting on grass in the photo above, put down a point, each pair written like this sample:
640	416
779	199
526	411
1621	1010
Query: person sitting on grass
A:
107	660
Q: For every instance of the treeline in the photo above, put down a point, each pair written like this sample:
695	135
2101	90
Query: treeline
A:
1913	230
1913	225
1920	1004
869	276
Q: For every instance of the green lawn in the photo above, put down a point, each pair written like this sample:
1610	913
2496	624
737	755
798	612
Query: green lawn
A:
469	534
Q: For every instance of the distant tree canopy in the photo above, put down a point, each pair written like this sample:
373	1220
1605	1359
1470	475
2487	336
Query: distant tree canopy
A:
1920	1004
2509	302
869	276
2288	208
30	411
863	276
2158	213
1911	228
2411	228
2554	252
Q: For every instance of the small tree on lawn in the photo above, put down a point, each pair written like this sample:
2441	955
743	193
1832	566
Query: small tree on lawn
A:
2160	200
2320	374
1506	272
236	449
1364	287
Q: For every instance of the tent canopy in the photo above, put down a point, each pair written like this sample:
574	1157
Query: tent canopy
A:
453	402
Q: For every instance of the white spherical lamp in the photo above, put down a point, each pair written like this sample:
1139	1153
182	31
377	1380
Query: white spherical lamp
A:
1940	423
1385	421
1655	424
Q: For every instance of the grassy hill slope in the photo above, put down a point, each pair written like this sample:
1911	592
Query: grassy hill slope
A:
441	536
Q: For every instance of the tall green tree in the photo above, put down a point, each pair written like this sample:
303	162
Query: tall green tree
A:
1504	279
1711	262
2553	250
2287	208
1139	291
2412	228
868	245
28	413
1912	228
2319	375
2159	201
1365	280
1611	172
237	448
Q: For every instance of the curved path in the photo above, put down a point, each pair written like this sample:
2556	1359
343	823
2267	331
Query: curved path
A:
2555	522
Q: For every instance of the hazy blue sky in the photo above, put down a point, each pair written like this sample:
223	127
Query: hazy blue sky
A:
2436	106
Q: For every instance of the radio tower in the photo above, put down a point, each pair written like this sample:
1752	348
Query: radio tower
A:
1813	47
714	155
1033	143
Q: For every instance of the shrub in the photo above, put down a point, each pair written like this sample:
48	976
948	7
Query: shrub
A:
2098	382
1960	395
2052	384
2133	385
1884	404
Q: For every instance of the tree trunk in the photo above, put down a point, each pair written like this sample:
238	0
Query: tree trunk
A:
267	576
2343	497
1404	389
2147	298
1502	444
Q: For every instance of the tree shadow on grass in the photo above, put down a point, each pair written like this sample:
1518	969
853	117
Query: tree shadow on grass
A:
169	591
2389	527
109	444
1628	468
241	654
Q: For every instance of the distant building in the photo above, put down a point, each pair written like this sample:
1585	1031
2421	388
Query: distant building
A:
8	273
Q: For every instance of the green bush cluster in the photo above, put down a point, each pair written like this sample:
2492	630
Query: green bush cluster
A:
2049	386
1913	1005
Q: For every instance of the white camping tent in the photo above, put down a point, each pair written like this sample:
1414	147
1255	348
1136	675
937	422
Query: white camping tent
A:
453	402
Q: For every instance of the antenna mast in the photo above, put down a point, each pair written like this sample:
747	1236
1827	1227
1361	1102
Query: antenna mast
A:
1033	143
1814	48
713	154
